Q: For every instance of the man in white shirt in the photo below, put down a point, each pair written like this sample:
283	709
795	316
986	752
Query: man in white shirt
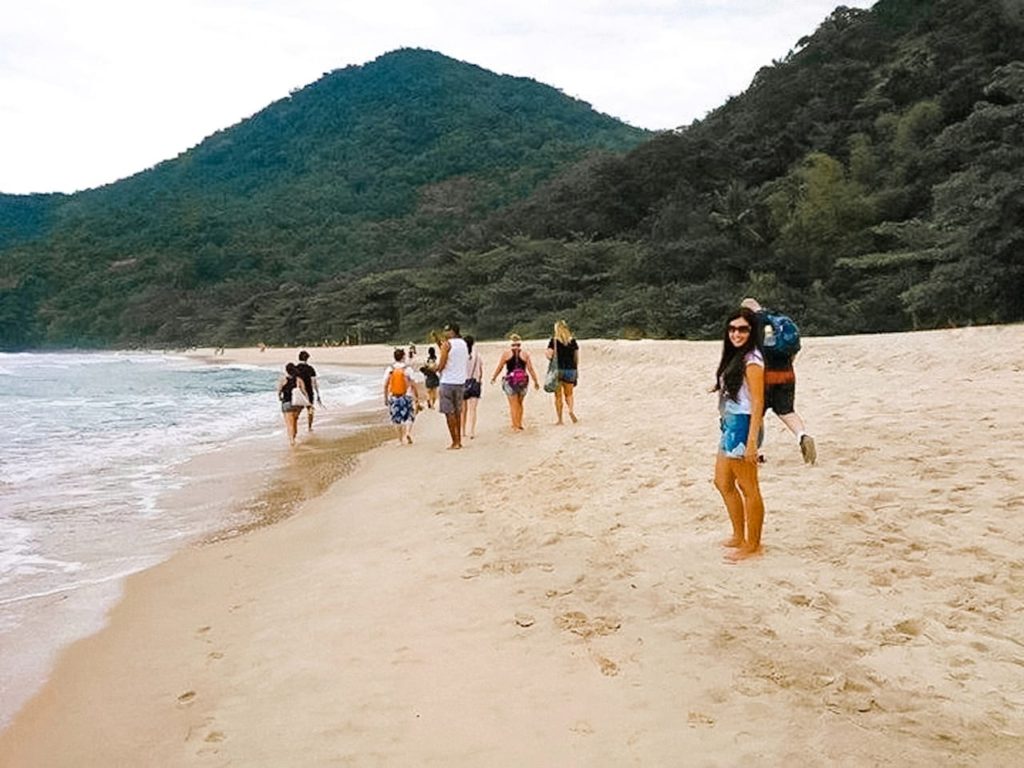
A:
451	367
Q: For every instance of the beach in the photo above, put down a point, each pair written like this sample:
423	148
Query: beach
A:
559	597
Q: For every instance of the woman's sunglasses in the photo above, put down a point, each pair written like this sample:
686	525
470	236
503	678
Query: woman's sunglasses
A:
739	329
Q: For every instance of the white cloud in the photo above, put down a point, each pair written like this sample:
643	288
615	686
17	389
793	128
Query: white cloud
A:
94	91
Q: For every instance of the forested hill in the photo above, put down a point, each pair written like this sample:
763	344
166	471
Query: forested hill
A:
368	169
873	180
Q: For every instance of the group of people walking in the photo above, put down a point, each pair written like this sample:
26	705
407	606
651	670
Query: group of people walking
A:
453	381
755	373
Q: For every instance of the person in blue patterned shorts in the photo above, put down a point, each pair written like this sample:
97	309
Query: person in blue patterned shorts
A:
739	382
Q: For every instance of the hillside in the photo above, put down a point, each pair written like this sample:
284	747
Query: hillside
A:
367	169
872	180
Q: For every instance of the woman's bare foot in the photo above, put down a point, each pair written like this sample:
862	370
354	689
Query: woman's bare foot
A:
743	553
733	542
573	417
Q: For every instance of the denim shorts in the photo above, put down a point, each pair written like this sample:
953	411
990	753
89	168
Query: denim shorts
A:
735	429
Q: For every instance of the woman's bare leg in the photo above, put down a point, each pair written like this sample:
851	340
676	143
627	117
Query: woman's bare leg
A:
469	423
558	404
291	425
725	482
513	401
753	504
567	390
517	411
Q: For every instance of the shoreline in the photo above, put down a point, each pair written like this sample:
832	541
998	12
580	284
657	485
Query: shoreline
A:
558	597
245	485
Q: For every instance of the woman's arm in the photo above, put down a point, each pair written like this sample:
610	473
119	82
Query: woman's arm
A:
550	351
504	359
755	381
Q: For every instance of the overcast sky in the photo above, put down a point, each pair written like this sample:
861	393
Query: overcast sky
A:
95	90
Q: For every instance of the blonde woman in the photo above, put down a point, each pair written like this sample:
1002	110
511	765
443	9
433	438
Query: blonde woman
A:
518	373
564	346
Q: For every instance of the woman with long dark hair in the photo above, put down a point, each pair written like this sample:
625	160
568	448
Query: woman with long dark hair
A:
739	382
286	387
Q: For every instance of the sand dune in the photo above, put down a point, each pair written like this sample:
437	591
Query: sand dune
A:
558	597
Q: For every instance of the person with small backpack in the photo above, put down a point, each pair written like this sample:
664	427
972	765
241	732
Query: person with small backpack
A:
430	378
516	381
780	341
401	396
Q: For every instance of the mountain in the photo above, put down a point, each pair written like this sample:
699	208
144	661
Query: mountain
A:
368	169
873	180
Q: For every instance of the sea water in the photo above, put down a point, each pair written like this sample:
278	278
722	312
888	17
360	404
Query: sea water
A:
91	442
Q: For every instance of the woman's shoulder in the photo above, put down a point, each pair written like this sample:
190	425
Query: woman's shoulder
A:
754	357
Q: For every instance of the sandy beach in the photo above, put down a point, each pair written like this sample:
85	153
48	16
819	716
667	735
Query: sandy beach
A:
558	597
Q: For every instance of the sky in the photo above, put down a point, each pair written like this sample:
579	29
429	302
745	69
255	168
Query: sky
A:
92	91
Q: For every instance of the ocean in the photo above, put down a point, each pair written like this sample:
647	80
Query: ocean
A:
94	443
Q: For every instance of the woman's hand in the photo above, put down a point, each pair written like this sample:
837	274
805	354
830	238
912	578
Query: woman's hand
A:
750	455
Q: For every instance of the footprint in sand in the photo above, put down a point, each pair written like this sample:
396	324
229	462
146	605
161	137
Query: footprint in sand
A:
695	719
187	697
580	624
608	667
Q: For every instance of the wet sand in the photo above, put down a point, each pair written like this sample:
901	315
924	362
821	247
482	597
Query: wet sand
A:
559	597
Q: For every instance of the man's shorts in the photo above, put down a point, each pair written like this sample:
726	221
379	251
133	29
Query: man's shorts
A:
780	397
450	398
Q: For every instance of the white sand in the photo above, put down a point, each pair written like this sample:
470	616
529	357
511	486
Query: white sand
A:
558	597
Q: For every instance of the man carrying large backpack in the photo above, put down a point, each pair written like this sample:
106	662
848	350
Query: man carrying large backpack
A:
780	341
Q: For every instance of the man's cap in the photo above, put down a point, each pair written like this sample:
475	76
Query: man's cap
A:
453	327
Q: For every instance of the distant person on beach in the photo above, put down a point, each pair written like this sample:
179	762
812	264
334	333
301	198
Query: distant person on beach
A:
452	367
286	389
472	391
431	381
410	357
563	348
739	382
308	375
401	396
780	385
516	381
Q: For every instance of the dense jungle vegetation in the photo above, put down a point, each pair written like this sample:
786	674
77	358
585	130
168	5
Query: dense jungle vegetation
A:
872	180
